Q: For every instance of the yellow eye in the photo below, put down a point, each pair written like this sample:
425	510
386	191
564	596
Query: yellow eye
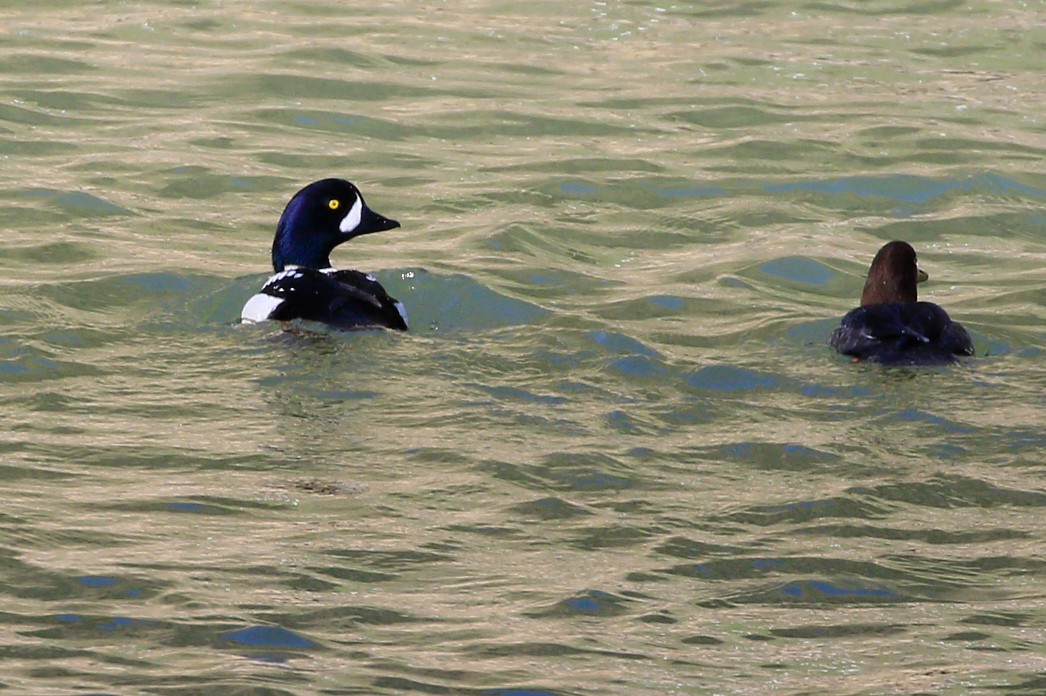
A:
334	204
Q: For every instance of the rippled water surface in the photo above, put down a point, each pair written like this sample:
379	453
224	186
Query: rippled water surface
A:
614	455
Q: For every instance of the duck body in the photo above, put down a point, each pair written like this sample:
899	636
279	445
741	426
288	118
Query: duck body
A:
902	333
341	299
891	327
318	218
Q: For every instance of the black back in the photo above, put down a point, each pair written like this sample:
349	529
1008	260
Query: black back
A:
342	299
902	333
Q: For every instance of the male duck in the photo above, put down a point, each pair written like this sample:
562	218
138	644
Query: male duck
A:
891	326
318	218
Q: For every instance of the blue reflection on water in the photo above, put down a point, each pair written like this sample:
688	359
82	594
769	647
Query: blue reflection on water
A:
916	190
267	637
637	366
185	507
726	378
798	589
96	581
620	343
116	623
668	302
585	604
577	188
915	415
767	562
798	269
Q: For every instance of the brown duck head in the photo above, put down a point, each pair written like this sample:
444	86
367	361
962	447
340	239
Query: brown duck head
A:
893	276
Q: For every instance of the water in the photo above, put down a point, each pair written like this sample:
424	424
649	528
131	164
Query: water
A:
615	454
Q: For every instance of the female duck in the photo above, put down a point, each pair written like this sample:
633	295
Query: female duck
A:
318	218
891	326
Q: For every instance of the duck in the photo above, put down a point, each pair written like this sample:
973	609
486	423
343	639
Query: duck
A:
892	327
305	286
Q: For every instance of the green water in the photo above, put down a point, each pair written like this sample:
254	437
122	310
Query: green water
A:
614	455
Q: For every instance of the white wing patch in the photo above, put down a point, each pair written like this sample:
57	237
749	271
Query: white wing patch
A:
352	220
260	307
291	272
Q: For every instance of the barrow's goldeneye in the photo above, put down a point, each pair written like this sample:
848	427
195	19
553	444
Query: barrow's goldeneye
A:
318	218
892	327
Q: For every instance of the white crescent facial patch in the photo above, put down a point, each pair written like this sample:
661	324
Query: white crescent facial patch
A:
352	220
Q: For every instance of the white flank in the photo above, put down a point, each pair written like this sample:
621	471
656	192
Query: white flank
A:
351	221
259	307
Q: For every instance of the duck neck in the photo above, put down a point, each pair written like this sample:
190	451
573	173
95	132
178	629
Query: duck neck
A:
881	288
287	250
